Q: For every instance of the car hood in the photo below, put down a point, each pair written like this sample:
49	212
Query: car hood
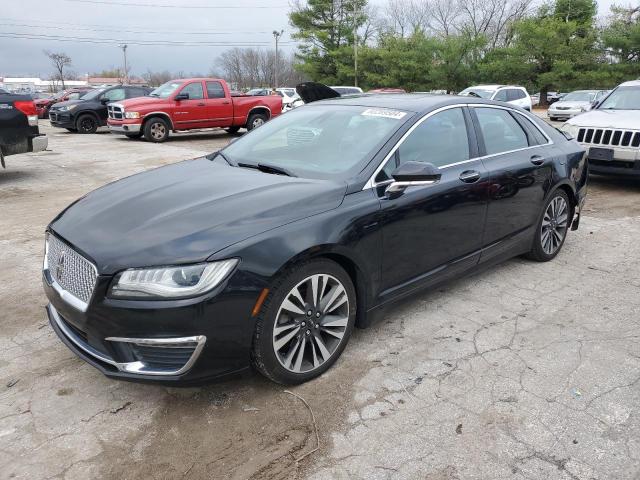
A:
42	101
67	103
608	119
185	212
575	105
140	101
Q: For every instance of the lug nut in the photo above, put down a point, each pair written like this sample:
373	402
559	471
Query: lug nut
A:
309	313
308	332
303	324
317	314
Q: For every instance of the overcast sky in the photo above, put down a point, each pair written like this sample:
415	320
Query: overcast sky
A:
249	22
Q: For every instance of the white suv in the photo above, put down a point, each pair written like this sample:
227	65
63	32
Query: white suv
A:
611	131
512	94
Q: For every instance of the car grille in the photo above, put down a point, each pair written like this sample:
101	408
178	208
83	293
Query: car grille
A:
115	112
608	136
74	273
563	108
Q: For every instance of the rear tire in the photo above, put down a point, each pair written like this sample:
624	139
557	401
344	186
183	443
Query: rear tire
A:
156	130
86	124
256	120
552	228
300	335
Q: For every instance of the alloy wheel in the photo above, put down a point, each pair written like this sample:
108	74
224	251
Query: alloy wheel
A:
87	124
158	131
258	122
311	323
554	225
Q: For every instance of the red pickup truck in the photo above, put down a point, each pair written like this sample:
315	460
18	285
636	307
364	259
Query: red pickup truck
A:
189	104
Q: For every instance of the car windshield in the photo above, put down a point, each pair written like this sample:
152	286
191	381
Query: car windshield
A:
477	92
93	94
622	98
166	89
579	97
318	141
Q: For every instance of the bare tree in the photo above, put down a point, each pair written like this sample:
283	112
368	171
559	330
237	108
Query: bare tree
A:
491	18
155	79
60	61
444	16
405	17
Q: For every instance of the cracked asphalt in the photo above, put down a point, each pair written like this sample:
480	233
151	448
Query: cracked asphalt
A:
524	371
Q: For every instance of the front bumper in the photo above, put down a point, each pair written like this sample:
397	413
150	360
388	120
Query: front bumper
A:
139	340
125	128
625	162
563	114
61	119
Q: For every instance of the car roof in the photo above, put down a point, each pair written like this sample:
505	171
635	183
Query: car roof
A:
410	102
632	83
494	86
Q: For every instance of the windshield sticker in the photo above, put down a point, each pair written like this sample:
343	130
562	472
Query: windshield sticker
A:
383	112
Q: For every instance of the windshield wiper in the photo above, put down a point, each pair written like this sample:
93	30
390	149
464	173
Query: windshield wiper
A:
266	168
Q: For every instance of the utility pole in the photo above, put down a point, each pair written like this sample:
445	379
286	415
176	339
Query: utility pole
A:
124	53
355	43
277	35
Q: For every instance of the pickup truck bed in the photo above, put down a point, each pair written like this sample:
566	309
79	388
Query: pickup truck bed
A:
19	126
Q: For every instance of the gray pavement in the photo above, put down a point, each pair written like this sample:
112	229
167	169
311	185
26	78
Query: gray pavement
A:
525	371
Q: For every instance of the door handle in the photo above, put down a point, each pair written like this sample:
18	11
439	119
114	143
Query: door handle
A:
537	160
201	104
225	103
470	176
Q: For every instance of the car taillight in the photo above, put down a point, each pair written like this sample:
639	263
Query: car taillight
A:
29	109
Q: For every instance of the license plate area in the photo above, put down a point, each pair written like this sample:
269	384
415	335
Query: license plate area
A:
596	153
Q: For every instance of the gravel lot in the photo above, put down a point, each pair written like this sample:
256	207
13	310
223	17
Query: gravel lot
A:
526	371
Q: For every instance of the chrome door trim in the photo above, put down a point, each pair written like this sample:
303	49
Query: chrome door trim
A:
371	182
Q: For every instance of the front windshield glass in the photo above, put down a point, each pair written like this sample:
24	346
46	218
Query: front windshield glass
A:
477	92
166	89
579	97
622	98
319	141
93	94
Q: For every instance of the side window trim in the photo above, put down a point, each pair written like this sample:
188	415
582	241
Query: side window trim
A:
481	145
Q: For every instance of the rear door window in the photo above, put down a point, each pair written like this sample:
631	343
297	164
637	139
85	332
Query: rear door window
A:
500	131
501	96
215	90
514	94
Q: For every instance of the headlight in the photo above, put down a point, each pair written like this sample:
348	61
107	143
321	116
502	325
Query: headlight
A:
67	108
131	114
570	129
171	282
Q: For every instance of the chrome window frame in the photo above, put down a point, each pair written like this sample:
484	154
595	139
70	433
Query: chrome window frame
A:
371	182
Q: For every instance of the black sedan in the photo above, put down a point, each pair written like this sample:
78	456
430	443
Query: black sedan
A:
269	252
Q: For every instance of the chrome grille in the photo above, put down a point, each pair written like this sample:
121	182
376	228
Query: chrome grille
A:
609	136
74	273
116	112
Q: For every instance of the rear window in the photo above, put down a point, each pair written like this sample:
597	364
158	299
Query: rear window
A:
215	90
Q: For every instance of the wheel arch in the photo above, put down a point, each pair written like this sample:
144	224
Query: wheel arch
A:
260	109
345	260
569	190
163	115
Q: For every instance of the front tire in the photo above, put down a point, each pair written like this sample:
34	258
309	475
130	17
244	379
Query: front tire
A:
86	124
552	228
305	322
156	130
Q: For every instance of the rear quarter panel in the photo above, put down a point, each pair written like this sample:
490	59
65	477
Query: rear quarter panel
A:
243	105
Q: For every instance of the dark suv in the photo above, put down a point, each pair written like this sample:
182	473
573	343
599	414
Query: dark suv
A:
88	113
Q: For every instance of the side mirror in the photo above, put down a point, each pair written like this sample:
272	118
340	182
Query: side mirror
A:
411	174
181	96
104	101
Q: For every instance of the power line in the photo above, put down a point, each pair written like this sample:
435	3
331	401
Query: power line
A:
91	29
105	41
156	5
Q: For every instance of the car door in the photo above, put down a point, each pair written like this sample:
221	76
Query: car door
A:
517	156
435	230
219	107
112	95
191	112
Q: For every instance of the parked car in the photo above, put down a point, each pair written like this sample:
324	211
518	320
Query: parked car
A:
19	131
512	94
574	103
44	104
88	113
611	131
189	104
388	90
289	98
269	251
342	90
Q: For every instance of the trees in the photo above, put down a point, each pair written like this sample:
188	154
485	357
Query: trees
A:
621	37
60	61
